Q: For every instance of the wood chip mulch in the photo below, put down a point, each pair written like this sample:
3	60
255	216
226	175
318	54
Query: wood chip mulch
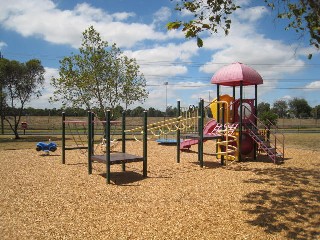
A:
44	199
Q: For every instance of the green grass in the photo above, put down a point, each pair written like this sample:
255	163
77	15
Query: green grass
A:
296	140
303	140
49	126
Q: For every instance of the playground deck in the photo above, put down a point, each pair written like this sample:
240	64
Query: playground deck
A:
117	158
205	136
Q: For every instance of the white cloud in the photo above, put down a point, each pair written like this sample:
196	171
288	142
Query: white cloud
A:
162	15
313	86
251	14
43	101
44	19
163	61
286	97
121	16
273	59
2	45
90	13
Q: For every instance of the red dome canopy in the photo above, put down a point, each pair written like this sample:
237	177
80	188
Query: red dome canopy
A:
234	74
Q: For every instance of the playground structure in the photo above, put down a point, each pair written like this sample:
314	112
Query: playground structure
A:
235	127
250	138
108	158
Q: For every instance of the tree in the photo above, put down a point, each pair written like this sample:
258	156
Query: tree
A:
280	107
20	82
152	112
300	107
269	119
100	77
316	112
263	107
213	16
137	112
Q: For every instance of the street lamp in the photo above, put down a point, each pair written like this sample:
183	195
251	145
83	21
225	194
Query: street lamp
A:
166	84
209	95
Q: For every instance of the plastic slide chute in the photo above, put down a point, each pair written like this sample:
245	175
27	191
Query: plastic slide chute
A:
208	128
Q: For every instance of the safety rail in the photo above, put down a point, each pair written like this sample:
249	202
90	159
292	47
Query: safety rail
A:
278	151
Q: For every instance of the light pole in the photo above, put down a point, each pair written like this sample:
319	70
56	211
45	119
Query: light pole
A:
209	95
166	84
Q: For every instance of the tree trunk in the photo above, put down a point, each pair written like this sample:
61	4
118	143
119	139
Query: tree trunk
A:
16	134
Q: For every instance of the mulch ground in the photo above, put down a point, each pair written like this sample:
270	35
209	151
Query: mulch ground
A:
44	199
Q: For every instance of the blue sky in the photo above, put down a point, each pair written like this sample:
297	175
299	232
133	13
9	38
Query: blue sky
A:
51	29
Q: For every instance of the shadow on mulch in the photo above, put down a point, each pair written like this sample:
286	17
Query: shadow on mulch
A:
49	155
125	178
208	164
292	206
263	159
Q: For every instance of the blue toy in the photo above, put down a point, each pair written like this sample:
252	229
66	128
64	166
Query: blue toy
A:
46	147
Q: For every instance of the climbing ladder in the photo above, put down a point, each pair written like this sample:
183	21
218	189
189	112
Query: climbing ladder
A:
272	146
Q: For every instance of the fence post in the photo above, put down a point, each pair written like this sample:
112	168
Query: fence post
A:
63	138
178	134
89	142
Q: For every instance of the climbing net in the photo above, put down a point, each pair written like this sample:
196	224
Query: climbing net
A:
99	127
78	130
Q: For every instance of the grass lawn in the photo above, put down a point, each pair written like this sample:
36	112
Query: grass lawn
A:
295	140
303	140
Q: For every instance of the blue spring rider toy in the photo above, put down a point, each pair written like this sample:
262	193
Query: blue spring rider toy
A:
46	147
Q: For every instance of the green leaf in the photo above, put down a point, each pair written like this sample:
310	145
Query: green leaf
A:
173	25
199	42
310	56
207	26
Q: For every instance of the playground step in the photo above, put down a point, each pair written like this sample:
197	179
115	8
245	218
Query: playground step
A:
270	150
266	143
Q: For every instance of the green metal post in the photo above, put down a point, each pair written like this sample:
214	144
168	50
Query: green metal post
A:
108	147
92	132
201	132
89	142
234	92
223	121
123	137
145	146
218	99
218	112
255	119
178	134
234	97
240	122
199	129
63	138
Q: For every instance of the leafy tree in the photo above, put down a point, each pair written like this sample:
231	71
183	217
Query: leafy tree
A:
100	77
137	112
263	107
172	111
215	15
152	112
280	107
269	119
20	82
300	107
117	112
316	112
3	64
